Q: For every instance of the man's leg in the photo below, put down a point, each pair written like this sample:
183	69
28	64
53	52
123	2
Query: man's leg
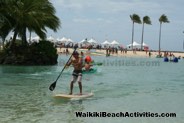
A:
79	79
80	87
71	87
71	84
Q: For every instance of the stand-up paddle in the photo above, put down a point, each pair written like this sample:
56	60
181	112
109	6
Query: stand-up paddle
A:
53	85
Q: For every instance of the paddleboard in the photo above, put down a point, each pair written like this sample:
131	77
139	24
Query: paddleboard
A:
74	96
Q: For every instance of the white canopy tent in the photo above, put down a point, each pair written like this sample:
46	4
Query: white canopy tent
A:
17	38
63	40
92	41
135	45
106	43
51	39
84	41
114	42
70	40
58	39
144	45
35	39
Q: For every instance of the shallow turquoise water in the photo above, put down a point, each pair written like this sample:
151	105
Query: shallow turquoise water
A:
120	85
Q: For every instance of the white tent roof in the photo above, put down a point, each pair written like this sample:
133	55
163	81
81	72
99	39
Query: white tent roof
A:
70	40
114	42
58	39
63	40
135	44
18	38
84	41
50	39
92	41
145	45
106	42
36	38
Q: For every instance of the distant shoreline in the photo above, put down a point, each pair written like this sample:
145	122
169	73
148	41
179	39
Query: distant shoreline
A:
129	53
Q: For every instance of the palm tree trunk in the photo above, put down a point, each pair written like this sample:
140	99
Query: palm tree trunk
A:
30	36
14	39
3	39
160	37
142	36
132	34
24	40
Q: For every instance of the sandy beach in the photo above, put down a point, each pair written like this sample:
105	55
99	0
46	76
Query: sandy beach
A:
128	54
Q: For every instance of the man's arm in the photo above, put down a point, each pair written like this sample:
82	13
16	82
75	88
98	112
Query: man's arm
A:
80	61
68	64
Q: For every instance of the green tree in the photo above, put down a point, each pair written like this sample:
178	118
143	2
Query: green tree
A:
163	19
5	20
146	20
4	31
32	15
135	19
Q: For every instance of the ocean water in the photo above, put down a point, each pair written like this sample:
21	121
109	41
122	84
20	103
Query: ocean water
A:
121	84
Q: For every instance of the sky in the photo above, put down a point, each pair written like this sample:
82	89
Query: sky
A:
110	20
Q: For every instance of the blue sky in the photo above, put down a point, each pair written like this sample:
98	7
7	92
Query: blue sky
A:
110	20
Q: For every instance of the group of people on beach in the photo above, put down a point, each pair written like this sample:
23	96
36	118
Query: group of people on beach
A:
114	50
78	62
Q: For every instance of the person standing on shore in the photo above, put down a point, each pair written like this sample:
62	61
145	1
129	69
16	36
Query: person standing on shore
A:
77	64
149	54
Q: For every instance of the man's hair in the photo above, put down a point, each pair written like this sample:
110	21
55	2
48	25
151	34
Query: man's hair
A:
75	53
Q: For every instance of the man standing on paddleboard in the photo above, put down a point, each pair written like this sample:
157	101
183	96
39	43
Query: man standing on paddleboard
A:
77	63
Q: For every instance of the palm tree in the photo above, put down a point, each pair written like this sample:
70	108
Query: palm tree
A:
135	19
146	20
4	31
163	19
32	15
5	21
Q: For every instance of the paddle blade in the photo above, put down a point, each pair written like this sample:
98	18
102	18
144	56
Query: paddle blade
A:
52	86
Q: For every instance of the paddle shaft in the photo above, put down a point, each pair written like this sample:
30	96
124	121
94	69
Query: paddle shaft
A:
53	85
65	65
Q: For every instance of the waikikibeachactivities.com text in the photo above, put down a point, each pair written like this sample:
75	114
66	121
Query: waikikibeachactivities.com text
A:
124	114
121	62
